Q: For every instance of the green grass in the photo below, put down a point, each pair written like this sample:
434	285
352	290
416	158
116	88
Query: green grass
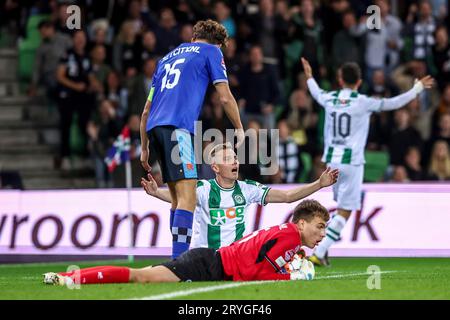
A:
404	278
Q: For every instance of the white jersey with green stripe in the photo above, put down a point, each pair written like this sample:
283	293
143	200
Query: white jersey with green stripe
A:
347	120
219	217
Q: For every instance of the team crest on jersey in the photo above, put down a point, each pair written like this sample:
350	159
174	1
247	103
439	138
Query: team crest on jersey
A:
238	199
223	64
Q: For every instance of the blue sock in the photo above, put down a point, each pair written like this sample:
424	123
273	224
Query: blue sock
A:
181	232
172	212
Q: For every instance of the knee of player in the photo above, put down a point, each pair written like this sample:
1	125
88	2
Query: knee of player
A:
139	276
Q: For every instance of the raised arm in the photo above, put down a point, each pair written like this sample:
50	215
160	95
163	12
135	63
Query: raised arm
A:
327	178
317	93
399	101
152	189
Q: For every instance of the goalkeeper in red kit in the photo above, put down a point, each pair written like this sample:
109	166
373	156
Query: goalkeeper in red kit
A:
263	255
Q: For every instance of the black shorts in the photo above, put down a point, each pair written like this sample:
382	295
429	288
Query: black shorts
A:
199	264
176	156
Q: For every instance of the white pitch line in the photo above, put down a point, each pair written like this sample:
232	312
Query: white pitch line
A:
183	293
346	275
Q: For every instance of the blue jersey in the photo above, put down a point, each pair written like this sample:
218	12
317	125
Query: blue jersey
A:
180	82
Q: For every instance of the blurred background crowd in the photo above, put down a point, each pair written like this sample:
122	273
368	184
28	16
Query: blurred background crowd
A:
97	80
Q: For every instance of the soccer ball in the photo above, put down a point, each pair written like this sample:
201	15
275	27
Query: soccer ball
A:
307	268
302	265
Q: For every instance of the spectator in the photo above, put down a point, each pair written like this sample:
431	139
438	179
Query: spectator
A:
141	87
233	64
186	33
380	87
102	130
249	168
167	34
148	49
269	30
222	14
202	9
382	46
422	31
184	13
214	116
74	76
100	69
126	51
413	165
53	47
101	34
442	134
439	168
443	107
288	155
60	19
259	90
303	120
346	46
402	137
117	94
394	28
399	175
135	16
306	28
441	55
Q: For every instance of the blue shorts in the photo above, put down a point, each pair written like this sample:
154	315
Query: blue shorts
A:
174	150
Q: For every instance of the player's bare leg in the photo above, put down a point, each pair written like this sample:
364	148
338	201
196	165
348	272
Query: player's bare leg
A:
186	194
174	203
152	274
185	191
334	228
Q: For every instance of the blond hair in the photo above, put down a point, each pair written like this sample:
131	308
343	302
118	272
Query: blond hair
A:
217	148
440	168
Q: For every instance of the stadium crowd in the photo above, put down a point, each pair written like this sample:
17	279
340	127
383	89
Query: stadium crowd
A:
103	73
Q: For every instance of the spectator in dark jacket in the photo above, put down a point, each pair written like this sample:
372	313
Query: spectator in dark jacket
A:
259	90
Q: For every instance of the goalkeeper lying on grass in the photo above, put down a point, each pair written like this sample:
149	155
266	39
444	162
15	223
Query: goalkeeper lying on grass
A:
267	254
219	217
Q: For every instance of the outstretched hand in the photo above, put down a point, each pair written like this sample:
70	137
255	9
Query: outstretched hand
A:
427	82
150	186
328	177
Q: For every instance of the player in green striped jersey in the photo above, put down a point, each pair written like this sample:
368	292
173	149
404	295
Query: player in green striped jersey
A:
219	217
347	117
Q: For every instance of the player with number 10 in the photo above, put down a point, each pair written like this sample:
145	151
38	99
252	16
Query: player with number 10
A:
347	118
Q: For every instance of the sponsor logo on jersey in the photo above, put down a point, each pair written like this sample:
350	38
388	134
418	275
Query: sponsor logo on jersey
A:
280	262
219	216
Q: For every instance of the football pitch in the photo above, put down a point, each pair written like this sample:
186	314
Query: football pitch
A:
347	278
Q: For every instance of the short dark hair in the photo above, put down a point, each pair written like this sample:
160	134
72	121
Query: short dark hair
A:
308	209
45	24
350	72
211	31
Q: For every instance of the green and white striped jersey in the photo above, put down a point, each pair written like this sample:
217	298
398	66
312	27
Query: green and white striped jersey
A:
347	120
219	217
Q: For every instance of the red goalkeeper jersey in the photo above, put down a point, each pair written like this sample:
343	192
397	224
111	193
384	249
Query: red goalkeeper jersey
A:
262	254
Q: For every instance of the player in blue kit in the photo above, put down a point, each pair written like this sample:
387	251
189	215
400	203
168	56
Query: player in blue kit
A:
167	123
